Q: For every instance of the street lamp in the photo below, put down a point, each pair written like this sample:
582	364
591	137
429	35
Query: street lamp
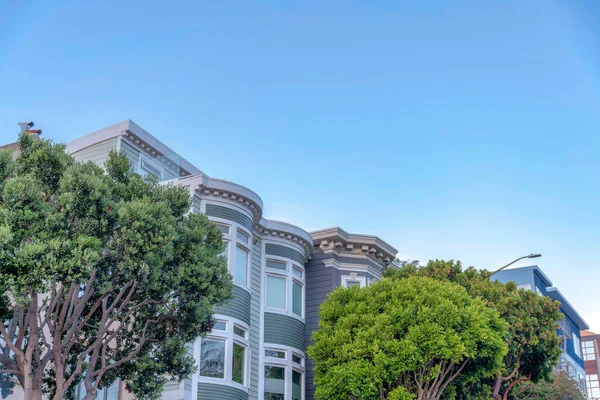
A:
533	255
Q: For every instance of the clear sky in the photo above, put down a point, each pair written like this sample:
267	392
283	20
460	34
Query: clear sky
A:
452	129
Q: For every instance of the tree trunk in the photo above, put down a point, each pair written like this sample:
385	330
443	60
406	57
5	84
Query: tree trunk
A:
497	386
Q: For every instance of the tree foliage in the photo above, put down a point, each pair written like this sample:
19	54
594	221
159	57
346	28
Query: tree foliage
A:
403	339
559	386
533	345
104	274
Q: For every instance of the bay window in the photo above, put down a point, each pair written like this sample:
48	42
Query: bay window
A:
284	287
353	280
224	352
283	374
237	243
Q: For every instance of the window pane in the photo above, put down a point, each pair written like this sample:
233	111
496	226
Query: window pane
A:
220	326
276	292
296	359
225	252
297	272
273	396
212	358
276	265
241	266
296	385
297	299
274	353
242	237
237	366
352	283
223	228
274	382
239	331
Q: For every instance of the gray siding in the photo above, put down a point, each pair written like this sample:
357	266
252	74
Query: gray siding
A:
254	339
320	281
285	330
196	205
284	251
96	153
207	391
132	154
227	213
238	307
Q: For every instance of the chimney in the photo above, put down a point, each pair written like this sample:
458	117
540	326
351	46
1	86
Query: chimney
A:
26	128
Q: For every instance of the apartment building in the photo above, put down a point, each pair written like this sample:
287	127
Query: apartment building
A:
590	342
281	275
569	330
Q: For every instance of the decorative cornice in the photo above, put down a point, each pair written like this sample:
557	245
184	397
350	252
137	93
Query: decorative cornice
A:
351	245
275	229
154	153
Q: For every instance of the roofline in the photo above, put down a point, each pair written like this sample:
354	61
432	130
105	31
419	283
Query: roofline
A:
535	268
354	237
122	128
567	307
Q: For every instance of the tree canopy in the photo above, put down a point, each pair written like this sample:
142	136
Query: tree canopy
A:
533	345
403	339
103	274
559	386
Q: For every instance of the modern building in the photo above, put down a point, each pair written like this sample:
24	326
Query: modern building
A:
590	342
569	330
281	274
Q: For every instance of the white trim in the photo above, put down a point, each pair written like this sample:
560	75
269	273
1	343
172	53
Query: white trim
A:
289	276
353	277
286	363
230	338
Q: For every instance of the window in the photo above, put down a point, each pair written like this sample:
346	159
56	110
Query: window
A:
148	167
274	353
593	387
539	291
353	280
212	358
220	326
239	331
589	353
297	298
225	252
526	286
296	385
224	353
274	383
284	374
277	265
241	266
284	283
276	293
225	229
237	364
576	344
242	237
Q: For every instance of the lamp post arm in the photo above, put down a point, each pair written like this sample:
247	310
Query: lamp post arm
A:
509	264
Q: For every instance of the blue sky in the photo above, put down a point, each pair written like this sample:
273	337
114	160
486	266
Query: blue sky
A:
452	129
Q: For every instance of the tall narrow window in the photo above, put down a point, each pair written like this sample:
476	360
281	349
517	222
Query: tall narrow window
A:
296	385
212	358
297	298
274	383
276	293
241	266
238	362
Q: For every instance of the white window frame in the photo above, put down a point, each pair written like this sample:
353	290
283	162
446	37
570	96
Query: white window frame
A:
143	157
577	345
230	338
354	277
289	276
289	366
231	238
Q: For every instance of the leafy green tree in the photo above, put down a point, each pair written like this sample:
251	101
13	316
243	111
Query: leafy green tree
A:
403	339
558	387
533	345
103	274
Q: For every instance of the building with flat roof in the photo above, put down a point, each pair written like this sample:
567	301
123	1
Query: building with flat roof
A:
569	330
281	274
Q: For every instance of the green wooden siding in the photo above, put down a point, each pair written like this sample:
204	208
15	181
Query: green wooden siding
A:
238	307
229	214
255	313
207	391
285	330
283	251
